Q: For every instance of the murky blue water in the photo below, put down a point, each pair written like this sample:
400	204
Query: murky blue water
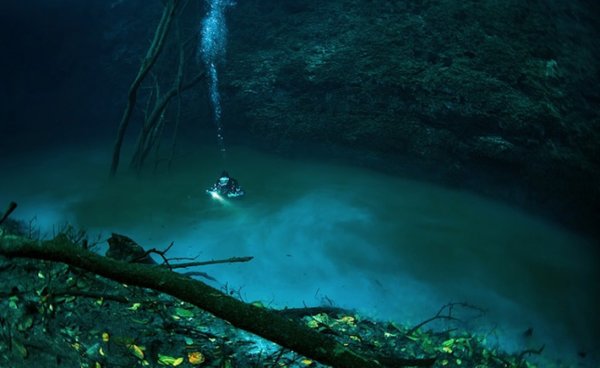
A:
322	232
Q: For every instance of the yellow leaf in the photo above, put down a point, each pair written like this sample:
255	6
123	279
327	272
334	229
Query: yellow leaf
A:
101	352
97	365
307	362
105	337
137	351
321	318
348	320
196	358
135	306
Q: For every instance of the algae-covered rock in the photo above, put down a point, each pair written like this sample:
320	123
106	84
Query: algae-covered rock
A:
445	83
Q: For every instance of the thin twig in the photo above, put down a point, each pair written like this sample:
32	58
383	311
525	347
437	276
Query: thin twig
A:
166	260
449	307
217	261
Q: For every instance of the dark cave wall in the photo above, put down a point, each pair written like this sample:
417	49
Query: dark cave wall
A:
499	97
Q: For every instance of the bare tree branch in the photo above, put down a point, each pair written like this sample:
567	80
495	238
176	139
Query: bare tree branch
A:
217	261
448	308
152	54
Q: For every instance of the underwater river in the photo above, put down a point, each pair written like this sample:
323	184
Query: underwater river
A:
327	233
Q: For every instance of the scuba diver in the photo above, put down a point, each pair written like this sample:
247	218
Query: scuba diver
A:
226	186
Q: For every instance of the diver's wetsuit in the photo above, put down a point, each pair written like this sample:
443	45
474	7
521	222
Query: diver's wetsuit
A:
227	186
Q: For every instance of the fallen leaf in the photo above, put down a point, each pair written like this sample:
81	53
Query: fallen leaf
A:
26	323
135	306
184	313
196	358
312	323
137	351
12	302
349	320
448	342
322	318
258	304
21	349
169	360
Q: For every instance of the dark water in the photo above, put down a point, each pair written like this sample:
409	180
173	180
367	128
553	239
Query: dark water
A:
392	248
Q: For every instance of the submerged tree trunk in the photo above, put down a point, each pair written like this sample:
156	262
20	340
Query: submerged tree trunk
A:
263	322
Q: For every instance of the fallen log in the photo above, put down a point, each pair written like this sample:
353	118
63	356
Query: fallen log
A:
263	322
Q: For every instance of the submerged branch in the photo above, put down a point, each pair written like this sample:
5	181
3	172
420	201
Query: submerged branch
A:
216	261
11	207
152	54
263	322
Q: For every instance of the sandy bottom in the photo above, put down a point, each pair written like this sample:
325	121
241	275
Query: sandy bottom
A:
321	232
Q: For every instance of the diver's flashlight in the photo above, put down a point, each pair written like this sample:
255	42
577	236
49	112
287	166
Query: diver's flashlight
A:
216	196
